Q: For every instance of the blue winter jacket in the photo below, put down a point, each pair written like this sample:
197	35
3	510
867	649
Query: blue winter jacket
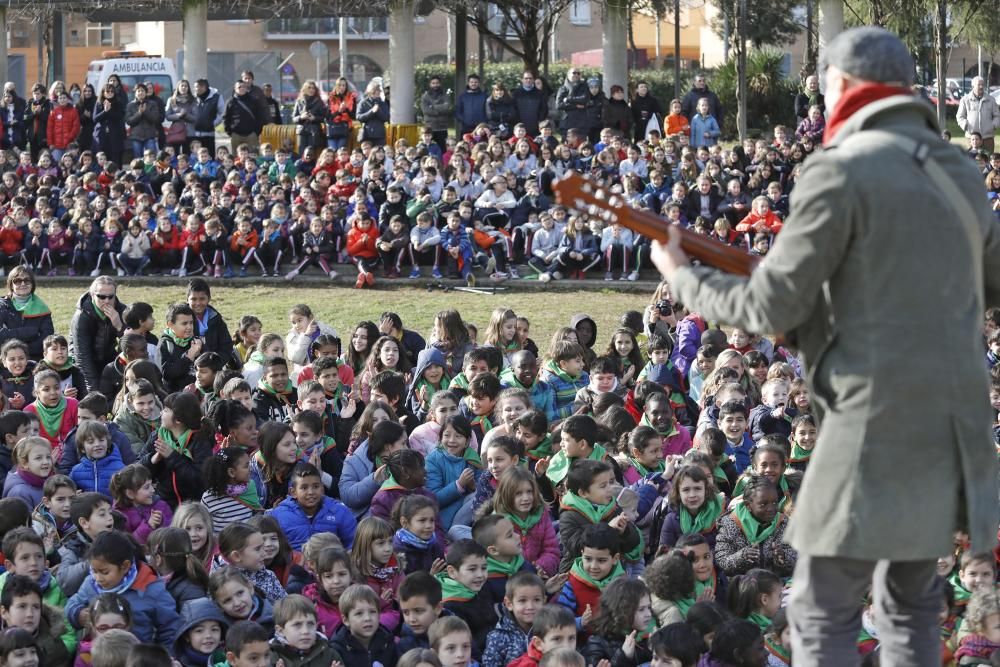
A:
443	469
70	456
585	243
154	612
542	396
699	126
470	108
357	481
459	239
331	517
91	475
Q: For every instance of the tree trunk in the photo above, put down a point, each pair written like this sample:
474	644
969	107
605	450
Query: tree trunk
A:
941	25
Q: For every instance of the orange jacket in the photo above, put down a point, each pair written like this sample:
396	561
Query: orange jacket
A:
251	241
677	124
360	246
772	223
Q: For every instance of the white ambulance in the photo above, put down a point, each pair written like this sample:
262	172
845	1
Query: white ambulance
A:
133	67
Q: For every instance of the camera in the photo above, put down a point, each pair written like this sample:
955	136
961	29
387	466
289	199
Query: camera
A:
665	307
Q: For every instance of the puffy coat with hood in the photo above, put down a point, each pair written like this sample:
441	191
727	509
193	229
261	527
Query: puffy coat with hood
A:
321	654
191	614
358	245
134	427
137	518
332	516
29	330
357	481
381	649
93	339
63	126
328	616
154	618
588	350
91	475
373	119
443	469
15	486
428	357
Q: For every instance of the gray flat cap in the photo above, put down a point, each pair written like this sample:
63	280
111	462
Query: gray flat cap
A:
871	54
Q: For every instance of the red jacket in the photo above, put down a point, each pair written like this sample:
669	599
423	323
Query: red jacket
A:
194	239
11	241
159	241
772	223
251	242
529	659
349	101
586	595
64	127
358	245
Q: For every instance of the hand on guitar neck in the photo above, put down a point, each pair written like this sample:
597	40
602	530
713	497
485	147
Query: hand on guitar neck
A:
676	243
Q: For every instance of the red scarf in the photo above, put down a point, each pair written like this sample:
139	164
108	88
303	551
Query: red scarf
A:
853	100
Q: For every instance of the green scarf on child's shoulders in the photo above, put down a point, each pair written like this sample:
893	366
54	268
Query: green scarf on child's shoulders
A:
751	527
560	463
577	572
594	513
502	569
453	591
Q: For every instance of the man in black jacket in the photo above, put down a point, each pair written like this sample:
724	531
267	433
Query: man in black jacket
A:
95	329
572	99
532	106
241	120
689	105
209	110
209	324
703	201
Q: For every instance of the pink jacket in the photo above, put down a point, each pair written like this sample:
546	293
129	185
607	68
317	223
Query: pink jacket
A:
137	518
678	443
327	615
388	614
540	545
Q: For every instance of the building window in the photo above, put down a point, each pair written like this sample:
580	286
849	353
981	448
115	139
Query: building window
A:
579	12
100	34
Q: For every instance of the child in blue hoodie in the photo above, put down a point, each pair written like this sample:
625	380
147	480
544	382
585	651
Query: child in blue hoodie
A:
99	458
453	468
456	249
307	510
429	377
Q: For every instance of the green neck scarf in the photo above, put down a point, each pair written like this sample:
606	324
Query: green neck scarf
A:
594	513
453	591
559	465
50	418
460	382
705	519
100	313
179	445
755	533
685	604
643	470
761	621
500	568
33	307
719	474
701	586
257	357
390	484
778	651
962	594
663	434
543	450
484	423
470	456
528	522
553	368
799	455
509	378
70	363
249	496
178	341
578	572
280	394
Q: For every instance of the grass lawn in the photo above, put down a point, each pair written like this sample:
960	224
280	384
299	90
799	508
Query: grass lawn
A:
343	307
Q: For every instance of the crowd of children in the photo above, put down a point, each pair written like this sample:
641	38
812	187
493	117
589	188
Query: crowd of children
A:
463	500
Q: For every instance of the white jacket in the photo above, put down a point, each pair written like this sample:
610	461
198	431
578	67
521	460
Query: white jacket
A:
978	115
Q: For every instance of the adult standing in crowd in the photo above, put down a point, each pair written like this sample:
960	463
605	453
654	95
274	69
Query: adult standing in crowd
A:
532	104
699	89
438	110
209	113
644	107
501	114
878	469
181	112
120	92
85	109
240	120
144	117
807	97
309	114
343	103
36	120
273	106
109	125
617	113
596	101
470	107
23	315
95	329
978	112
64	125
256	93
571	99
12	116
373	113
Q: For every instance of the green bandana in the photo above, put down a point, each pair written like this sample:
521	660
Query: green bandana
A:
741	484
962	594
799	455
500	568
390	484
543	450
180	444
249	496
460	382
643	470
33	307
283	394
754	532
778	651
507	377
761	621
701	586
453	591
100	313
685	604
50	418
257	357
180	342
706	518
594	513
469	456
528	522
484	423
431	389
70	363
663	434
719	474
553	368
559	465
581	574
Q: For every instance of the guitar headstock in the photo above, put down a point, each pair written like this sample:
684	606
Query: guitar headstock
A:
581	194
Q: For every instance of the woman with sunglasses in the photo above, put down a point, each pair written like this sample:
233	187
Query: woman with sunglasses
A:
95	329
23	315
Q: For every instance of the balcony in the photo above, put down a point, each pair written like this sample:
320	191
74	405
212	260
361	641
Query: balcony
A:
358	27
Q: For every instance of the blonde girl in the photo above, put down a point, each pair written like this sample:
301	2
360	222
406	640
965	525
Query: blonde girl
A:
196	520
376	563
502	333
33	465
734	360
270	346
242	546
519	499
